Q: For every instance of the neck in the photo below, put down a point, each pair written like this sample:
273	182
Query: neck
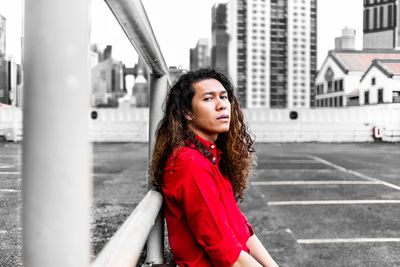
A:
210	137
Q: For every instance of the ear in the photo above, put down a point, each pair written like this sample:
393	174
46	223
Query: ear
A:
188	115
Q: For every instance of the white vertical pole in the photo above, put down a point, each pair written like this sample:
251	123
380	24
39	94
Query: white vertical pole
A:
56	151
158	92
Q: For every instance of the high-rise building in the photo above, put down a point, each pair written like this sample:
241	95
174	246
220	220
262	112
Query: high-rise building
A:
200	55
219	38
141	87
175	73
347	40
381	20
107	81
273	52
2	36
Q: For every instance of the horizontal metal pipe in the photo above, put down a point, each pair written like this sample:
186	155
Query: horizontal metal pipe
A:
133	19
125	247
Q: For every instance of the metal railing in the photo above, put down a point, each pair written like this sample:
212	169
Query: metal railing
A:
57	180
125	247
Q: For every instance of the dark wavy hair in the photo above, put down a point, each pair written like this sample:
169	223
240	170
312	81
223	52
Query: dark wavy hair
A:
236	144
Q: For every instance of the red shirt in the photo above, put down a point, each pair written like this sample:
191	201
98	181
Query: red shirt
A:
205	225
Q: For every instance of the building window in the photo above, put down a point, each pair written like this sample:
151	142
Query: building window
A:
329	86
340	101
396	97
380	95
373	81
390	16
375	17
366	98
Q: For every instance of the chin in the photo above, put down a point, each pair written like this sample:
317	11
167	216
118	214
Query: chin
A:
224	130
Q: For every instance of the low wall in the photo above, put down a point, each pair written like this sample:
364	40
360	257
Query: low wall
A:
350	124
11	123
120	125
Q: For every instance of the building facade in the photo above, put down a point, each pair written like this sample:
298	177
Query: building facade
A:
274	52
2	36
200	55
107	81
219	37
10	73
381	83
345	76
380	27
347	41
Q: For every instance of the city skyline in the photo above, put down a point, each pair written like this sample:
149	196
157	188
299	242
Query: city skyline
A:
195	25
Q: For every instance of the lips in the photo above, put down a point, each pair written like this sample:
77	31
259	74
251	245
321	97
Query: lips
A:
223	117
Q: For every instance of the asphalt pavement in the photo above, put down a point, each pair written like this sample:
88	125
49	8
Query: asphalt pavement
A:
311	204
316	204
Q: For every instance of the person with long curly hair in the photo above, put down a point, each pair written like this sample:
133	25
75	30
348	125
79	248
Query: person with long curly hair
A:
202	158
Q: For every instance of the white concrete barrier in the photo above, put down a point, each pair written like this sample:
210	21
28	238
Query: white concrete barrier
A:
120	125
11	123
350	124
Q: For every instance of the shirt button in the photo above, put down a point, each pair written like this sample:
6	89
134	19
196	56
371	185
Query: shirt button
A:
212	146
213	159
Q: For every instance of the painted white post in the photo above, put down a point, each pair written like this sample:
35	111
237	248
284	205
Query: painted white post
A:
56	152
158	92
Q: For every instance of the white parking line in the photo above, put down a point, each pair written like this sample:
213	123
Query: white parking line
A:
314	182
9	190
333	202
347	240
292	170
289	161
7	166
10	173
354	172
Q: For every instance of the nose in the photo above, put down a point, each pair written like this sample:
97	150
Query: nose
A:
221	104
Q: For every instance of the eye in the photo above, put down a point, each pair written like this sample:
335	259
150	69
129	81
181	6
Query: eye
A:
207	98
224	97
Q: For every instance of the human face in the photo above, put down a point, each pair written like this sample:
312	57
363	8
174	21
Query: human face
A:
211	110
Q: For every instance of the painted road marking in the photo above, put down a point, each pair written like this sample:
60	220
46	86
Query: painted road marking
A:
292	170
10	173
9	190
289	161
347	240
314	182
333	202
7	166
354	172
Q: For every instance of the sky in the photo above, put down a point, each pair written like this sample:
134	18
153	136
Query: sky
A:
178	24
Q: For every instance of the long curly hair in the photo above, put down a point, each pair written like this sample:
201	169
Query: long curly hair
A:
236	144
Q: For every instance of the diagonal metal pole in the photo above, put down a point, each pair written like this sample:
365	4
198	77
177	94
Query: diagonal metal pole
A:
56	151
133	19
158	92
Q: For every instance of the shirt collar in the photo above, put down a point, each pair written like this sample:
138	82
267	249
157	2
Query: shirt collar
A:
212	147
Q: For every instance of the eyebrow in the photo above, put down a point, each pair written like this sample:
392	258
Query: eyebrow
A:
214	92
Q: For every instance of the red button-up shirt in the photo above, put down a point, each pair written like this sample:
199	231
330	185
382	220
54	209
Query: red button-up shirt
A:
205	224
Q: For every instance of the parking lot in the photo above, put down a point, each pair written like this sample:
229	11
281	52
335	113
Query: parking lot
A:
311	204
318	204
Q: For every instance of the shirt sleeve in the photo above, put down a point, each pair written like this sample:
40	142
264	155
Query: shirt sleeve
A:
205	214
249	226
